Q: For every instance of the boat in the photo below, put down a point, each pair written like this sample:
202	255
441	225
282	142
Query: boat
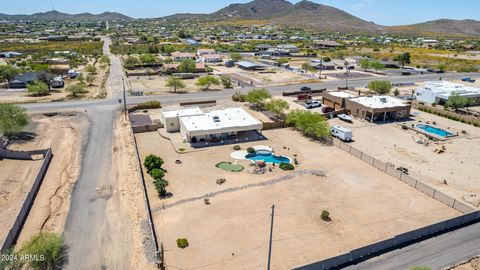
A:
345	117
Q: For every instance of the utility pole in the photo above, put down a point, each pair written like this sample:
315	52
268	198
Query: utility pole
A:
124	98
321	66
271	236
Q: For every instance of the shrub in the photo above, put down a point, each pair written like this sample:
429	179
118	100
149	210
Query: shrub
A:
404	127
182	242
181	149
152	104
157	174
238	97
295	160
220	181
325	215
153	162
47	245
237	147
250	150
160	186
286	166
380	87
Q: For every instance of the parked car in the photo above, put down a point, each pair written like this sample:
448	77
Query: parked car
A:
305	88
312	104
304	97
341	133
468	79
327	109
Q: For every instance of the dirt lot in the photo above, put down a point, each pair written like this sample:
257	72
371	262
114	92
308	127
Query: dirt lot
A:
473	264
64	134
458	165
157	85
232	232
94	91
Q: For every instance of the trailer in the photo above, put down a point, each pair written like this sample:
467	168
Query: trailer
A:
341	133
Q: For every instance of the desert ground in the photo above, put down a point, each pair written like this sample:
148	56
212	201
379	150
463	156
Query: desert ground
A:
232	231
64	133
473	264
156	85
455	171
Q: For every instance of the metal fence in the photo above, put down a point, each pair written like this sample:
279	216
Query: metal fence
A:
28	202
415	183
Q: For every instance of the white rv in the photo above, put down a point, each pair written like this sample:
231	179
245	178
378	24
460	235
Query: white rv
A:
341	133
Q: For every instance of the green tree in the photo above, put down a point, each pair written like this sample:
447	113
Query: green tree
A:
157	174
175	83
311	124
81	78
442	67
105	60
153	162
160	186
396	92
76	89
48	246
277	106
403	59
365	64
227	82
306	66
456	101
325	215
206	81
7	73
380	87
257	97
12	119
377	66
282	60
147	59
38	88
236	57
187	66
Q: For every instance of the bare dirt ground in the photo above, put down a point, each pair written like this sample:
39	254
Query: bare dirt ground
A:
130	198
232	232
458	165
157	85
473	264
64	133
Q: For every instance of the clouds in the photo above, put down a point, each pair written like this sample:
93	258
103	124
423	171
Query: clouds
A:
360	4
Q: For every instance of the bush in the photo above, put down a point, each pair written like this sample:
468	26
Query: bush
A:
152	104
325	215
286	166
160	186
238	97
47	245
380	87
182	242
237	147
181	149
404	127
250	150
153	162
157	174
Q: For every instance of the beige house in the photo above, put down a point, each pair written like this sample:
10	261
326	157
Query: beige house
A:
336	100
378	108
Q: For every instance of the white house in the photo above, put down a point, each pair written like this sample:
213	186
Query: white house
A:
439	91
197	126
290	48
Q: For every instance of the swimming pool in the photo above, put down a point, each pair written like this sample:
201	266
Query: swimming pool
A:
268	157
433	130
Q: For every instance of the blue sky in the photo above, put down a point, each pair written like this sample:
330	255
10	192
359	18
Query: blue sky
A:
386	12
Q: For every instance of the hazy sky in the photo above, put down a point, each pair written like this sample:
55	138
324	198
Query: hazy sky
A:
386	12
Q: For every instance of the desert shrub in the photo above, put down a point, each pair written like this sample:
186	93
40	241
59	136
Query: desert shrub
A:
182	242
152	104
325	215
238	97
157	174
50	246
220	181
295	161
404	127
181	149
286	166
250	150
237	147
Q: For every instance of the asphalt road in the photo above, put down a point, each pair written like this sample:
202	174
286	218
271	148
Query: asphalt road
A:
93	232
437	253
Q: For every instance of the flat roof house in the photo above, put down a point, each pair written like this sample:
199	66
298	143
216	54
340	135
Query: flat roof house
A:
250	65
290	48
326	44
336	100
439	91
378	108
201	52
216	125
179	56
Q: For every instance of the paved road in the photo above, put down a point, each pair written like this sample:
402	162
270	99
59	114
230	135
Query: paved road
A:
96	235
437	253
222	95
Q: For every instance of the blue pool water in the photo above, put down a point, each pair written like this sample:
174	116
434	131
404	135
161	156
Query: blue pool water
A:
437	131
268	157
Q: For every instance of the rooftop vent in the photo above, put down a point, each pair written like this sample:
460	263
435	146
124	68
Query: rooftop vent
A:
216	119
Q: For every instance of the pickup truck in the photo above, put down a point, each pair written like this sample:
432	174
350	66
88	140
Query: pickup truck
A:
468	79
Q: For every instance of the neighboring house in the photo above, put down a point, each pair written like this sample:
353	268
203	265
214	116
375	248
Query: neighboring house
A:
391	64
230	63
22	80
326	44
202	52
355	60
336	100
378	108
212	58
246	65
263	47
290	48
10	54
323	65
180	56
440	91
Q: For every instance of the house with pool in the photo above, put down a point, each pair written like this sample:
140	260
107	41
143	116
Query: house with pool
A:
228	125
378	108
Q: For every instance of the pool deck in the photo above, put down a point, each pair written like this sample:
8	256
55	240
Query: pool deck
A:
240	154
428	134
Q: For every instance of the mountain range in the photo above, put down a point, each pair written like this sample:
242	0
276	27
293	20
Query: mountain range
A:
304	14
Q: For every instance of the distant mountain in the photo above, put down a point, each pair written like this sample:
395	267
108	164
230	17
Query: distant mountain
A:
442	27
60	16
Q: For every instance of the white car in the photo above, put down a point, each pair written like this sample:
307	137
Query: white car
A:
312	104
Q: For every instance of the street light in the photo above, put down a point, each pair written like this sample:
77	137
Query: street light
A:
347	72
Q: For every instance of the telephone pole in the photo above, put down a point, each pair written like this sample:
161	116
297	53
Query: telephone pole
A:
271	236
124	98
